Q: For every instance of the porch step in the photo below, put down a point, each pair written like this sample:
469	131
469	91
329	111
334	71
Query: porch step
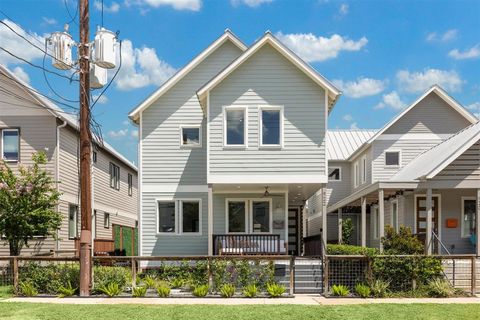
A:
308	276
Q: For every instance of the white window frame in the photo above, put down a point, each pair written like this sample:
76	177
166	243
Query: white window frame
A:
339	174
178	217
462	223
106	220
394	225
399	158
2	140
260	126
245	127
245	201
249	214
116	182
375	218
75	218
190	146
364	169
356	174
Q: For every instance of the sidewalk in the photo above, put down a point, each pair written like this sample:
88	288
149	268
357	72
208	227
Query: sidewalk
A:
300	299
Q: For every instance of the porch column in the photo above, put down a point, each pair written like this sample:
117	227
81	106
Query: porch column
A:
477	223
324	219
381	218
364	222
210	219
428	207
340	222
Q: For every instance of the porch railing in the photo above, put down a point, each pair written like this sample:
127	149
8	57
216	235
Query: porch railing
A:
248	244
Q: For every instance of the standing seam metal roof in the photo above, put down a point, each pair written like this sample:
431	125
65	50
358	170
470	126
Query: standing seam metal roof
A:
342	143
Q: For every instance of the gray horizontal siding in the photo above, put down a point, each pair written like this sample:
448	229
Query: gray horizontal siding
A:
465	167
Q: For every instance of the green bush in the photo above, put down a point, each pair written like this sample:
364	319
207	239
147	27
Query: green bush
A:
363	290
250	291
440	288
104	275
150	282
403	242
339	290
27	289
347	230
275	290
188	272
379	288
163	291
66	291
112	289
241	273
139	292
177	283
200	291
346	249
49	278
227	290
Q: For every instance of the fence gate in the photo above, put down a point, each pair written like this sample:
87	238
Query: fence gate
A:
126	238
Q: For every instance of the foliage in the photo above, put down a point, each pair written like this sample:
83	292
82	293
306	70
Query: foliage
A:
379	288
111	289
339	290
27	289
201	291
275	290
139	292
347	230
242	273
177	283
193	274
104	275
163	291
363	290
66	291
27	203
440	288
6	291
403	242
345	249
49	278
227	290
149	282
250	291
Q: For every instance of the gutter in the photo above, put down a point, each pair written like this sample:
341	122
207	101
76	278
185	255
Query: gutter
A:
57	168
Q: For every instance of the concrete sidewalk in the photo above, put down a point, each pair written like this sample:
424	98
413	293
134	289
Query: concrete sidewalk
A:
300	299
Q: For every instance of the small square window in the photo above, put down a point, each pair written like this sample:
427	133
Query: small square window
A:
392	158
190	137
334	174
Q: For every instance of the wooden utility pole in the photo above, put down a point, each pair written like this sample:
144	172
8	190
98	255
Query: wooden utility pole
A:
85	153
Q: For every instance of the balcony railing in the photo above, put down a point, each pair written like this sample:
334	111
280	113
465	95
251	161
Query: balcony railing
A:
248	244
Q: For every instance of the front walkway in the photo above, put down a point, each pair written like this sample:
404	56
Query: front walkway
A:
299	299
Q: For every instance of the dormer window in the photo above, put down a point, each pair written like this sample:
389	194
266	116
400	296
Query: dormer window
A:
392	158
235	126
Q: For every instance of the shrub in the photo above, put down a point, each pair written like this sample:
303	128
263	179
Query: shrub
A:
227	290
49	278
403	242
27	289
163	291
241	273
440	288
112	289
347	230
104	275
200	291
66	291
345	249
362	290
149	282
177	283
250	291
340	290
190	273
379	288
139	292
275	290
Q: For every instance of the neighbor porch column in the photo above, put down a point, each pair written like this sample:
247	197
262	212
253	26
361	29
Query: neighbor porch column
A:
324	218
363	219
381	218
210	219
428	207
340	222
477	222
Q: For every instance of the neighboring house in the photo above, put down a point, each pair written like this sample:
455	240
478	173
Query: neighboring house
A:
230	149
424	163
30	123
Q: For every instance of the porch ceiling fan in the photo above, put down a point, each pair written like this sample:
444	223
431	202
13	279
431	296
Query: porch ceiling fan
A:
266	193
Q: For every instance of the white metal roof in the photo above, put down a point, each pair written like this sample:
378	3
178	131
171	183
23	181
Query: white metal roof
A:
429	163
59	113
342	143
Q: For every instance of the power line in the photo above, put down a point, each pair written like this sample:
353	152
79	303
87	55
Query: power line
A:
68	11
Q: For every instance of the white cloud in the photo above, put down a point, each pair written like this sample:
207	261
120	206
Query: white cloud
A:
347	117
362	87
475	108
391	100
416	82
141	68
447	36
17	45
117	134
20	73
103	99
354	126
191	5
250	3
113	8
312	48
472	53
134	133
343	10
49	21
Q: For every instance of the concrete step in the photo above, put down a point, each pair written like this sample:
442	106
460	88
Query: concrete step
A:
308	290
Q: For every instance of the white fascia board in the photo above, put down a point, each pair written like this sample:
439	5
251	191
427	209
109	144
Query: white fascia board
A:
227	35
267	179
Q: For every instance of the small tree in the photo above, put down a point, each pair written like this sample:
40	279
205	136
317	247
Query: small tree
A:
403	242
347	230
27	203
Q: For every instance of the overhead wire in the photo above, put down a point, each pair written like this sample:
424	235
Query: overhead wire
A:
74	17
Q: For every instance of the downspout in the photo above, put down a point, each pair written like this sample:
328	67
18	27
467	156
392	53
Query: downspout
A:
57	171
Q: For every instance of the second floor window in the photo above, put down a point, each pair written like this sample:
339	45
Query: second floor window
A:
334	174
10	145
114	176
235	126
106	220
392	158
190	137
271	126
72	221
130	184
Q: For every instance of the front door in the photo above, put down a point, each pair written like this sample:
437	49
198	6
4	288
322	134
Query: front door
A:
293	228
421	212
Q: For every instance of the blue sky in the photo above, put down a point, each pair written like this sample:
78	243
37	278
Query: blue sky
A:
382	54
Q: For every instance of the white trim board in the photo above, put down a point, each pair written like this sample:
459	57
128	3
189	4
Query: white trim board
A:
267	179
173	188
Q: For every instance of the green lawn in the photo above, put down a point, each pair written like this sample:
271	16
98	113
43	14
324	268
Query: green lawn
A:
15	311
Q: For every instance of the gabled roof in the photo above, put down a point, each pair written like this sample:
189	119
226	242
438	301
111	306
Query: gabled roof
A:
59	113
440	93
429	163
342	143
226	36
268	38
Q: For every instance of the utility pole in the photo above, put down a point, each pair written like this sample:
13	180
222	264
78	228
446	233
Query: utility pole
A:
85	153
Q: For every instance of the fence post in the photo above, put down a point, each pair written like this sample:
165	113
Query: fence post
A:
474	275
14	263
325	274
292	274
134	272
